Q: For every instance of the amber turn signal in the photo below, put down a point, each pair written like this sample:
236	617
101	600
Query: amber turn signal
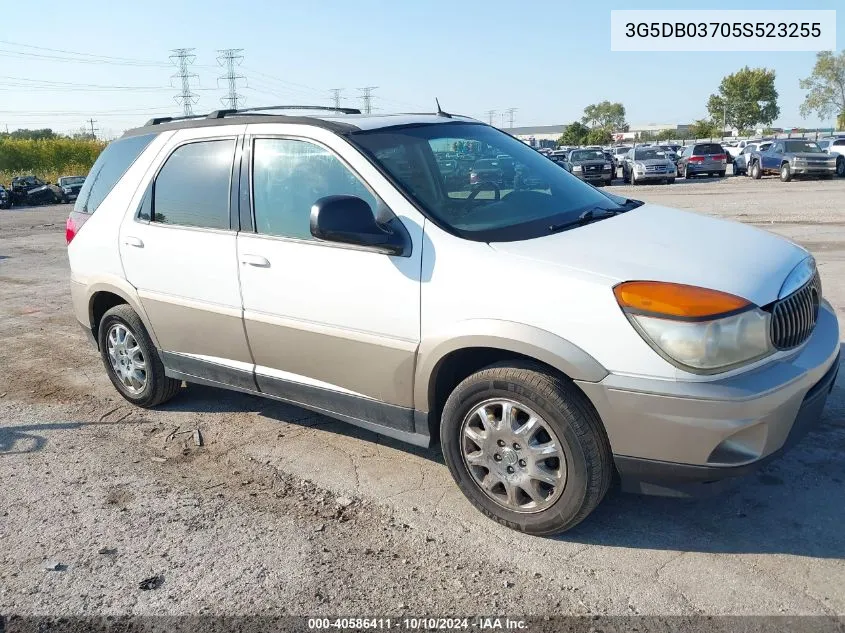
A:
676	300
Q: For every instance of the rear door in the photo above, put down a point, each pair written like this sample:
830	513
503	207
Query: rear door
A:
332	326
179	251
771	158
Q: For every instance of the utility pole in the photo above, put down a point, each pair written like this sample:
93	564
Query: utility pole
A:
91	122
336	96
182	58
228	59
490	114
367	98
510	112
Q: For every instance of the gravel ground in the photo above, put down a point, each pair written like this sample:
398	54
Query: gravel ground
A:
282	511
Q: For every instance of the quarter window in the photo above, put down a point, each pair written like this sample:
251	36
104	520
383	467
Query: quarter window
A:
289	176
192	189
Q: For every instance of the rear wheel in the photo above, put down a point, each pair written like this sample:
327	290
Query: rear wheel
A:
785	172
720	174
526	447
131	360
671	181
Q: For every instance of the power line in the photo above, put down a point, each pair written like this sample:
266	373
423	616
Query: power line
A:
94	130
229	58
336	96
490	114
511	112
367	98
183	58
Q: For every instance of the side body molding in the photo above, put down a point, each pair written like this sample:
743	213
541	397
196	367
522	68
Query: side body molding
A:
505	335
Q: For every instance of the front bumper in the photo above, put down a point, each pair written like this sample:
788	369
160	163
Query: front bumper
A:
597	176
812	170
688	438
655	175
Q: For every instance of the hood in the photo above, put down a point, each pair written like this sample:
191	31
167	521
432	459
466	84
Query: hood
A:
591	161
654	243
654	161
819	155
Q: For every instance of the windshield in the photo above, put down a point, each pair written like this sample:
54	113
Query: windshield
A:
73	180
648	153
801	146
514	204
587	154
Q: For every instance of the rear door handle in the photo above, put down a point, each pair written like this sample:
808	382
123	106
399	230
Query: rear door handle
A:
258	261
131	240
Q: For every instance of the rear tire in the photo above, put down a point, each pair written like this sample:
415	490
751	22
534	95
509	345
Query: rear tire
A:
575	477
132	361
720	174
670	181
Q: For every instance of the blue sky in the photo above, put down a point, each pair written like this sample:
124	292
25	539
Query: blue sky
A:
548	59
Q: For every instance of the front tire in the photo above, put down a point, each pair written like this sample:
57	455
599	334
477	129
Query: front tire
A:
785	172
526	447
131	359
840	167
756	172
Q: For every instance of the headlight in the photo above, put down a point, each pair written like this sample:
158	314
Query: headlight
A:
67	189
607	165
699	330
639	166
576	168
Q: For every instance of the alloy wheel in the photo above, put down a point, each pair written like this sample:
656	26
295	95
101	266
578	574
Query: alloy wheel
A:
127	360
513	455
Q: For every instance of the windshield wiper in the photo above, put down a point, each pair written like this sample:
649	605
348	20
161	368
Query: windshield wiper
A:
590	215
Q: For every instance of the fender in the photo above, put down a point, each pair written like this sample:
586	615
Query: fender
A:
504	335
115	285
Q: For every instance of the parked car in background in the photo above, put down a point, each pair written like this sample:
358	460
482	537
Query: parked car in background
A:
790	158
32	190
835	146
486	170
648	163
735	149
5	199
70	186
671	152
702	158
619	154
591	165
741	161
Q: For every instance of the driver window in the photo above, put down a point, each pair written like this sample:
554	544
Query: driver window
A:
289	176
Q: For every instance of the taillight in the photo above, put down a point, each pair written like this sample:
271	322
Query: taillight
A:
720	157
74	222
473	178
696	159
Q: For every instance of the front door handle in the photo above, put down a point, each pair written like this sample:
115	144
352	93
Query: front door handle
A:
258	261
131	240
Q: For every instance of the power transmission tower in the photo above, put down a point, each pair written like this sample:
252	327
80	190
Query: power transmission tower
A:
230	58
94	130
490	115
336	96
367	98
183	58
510	112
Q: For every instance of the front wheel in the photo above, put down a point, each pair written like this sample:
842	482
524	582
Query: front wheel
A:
785	172
670	181
131	359
840	167
526	447
756	172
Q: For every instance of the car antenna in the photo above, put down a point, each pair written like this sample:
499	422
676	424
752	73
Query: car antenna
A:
440	111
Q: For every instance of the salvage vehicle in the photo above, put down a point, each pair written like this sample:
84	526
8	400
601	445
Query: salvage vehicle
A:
645	163
790	158
552	338
5	199
835	146
70	186
702	158
741	161
30	190
591	165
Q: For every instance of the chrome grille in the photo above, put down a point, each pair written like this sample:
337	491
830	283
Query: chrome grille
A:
794	317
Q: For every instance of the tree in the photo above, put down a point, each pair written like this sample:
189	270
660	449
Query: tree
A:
746	99
606	115
598	136
574	134
703	128
35	135
827	88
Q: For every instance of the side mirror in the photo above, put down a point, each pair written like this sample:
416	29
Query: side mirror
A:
350	220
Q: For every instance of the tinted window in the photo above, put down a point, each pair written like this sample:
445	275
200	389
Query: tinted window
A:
839	142
708	149
289	176
109	167
801	146
192	189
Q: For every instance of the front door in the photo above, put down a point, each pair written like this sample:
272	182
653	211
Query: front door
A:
179	251
331	326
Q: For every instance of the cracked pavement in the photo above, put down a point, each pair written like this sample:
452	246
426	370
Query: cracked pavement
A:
257	520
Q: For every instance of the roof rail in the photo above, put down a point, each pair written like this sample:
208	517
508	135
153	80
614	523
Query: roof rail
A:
220	114
168	119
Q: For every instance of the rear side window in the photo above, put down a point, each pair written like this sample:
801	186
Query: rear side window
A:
707	149
839	143
109	167
192	189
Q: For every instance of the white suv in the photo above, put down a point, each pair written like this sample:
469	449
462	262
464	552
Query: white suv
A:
548	334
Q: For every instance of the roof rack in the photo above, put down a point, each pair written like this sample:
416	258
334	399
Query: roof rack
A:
221	114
